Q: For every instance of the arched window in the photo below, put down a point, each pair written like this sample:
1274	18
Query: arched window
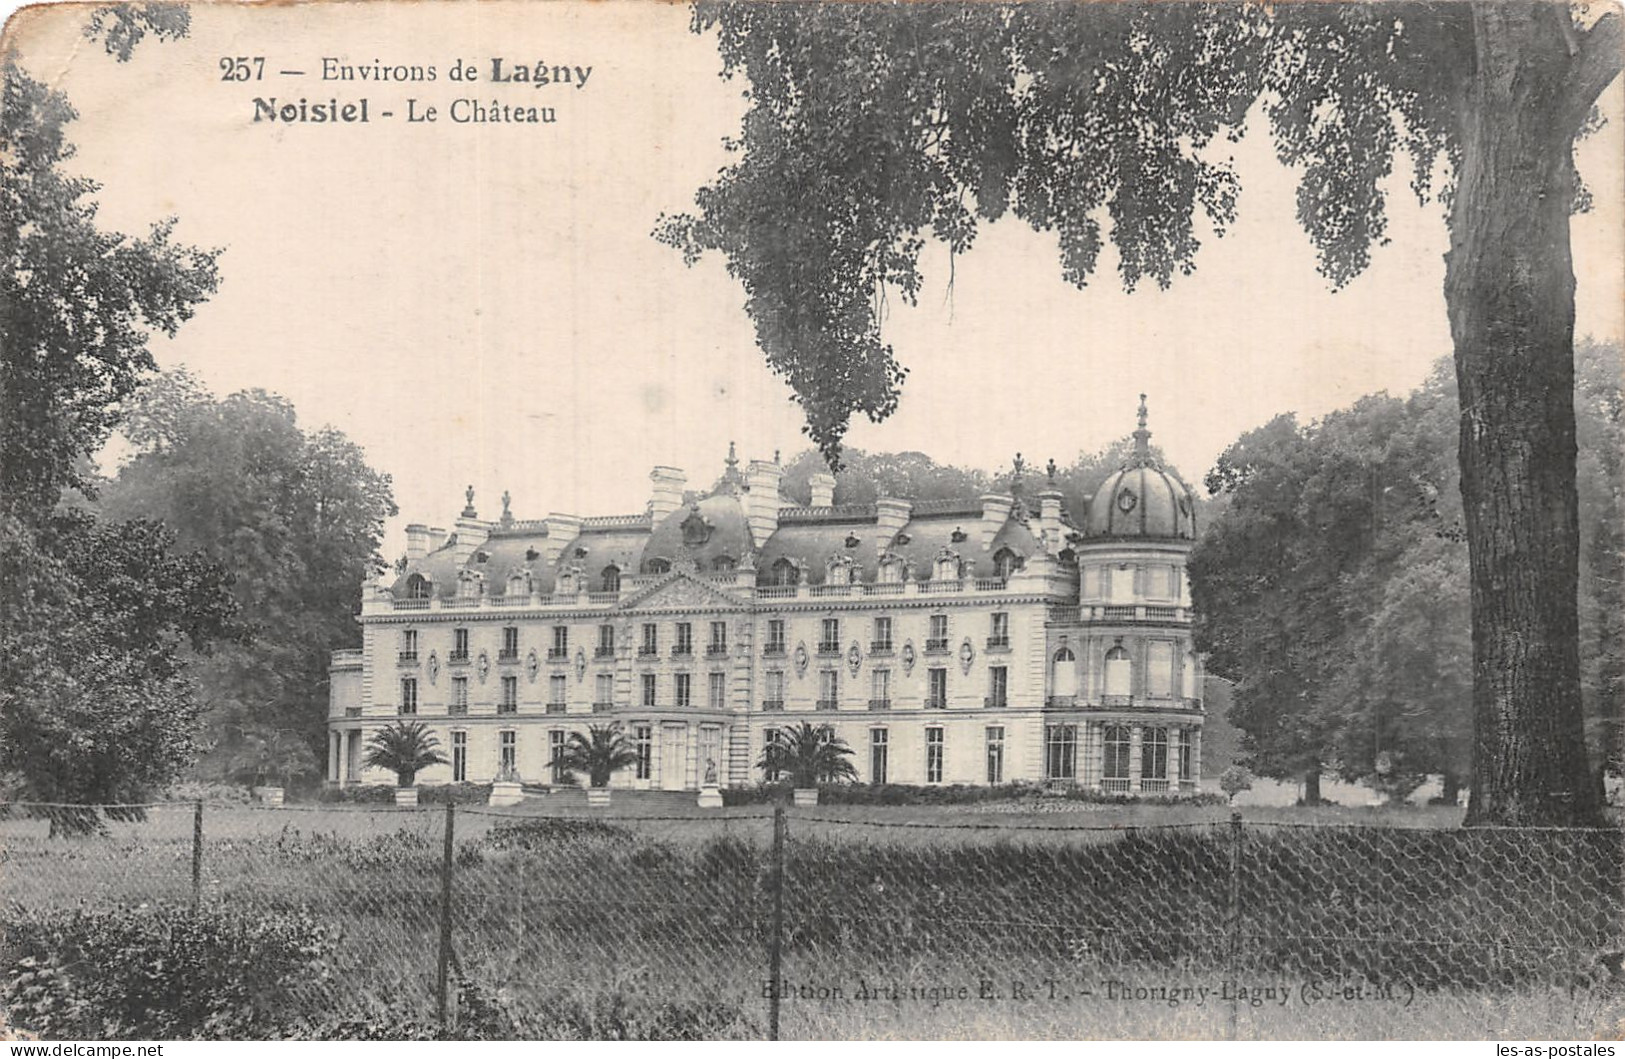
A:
518	584
610	579
658	566
1005	563
784	572
1117	748
1119	672
891	570
723	564
1064	673
417	587
946	568
1154	754
468	586
838	573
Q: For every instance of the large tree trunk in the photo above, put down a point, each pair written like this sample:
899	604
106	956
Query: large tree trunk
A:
1509	288
1311	785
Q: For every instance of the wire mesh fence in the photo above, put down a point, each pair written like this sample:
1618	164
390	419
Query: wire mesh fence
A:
471	922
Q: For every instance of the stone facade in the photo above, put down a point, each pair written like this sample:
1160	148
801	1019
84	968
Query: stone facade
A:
988	640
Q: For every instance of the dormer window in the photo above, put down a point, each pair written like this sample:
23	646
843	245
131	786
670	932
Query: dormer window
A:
610	579
891	570
1005	563
946	568
417	587
723	564
658	566
839	570
519	584
468	586
784	572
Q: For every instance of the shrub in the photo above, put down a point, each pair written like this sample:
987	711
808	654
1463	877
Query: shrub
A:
456	793
546	832
951	794
212	793
160	972
359	794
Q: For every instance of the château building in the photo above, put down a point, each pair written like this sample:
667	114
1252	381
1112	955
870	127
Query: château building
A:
984	640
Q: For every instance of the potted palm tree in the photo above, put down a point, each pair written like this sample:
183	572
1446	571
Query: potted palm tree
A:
603	751
809	754
404	749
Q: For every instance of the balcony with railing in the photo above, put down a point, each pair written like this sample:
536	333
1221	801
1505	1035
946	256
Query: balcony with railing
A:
457	658
879	704
1061	702
1115	785
1153	786
716	650
936	645
507	708
558	707
995	702
603	651
603	707
772	705
682	651
508	656
558	654
648	651
939	587
407	658
880	647
773	650
1117	702
457	709
998	643
932	702
828	649
828	704
821	591
406	709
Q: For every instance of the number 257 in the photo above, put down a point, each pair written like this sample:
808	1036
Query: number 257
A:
242	68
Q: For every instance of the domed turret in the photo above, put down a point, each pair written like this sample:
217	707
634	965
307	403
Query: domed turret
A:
1143	498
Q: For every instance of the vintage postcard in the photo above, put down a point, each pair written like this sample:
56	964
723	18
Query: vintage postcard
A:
747	520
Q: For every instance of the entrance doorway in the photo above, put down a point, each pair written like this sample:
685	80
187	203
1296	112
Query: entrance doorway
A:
673	757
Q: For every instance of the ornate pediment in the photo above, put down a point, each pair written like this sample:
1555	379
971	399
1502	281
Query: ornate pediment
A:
680	591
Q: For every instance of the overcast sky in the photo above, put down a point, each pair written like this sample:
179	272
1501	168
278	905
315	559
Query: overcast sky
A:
484	303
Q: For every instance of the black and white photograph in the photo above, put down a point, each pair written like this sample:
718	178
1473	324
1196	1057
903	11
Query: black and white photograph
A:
582	520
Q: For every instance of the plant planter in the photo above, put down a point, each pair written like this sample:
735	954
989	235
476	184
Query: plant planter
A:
804	796
710	797
598	796
406	796
506	793
269	795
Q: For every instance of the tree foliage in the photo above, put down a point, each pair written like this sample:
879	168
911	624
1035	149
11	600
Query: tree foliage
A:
809	754
299	516
600	753
1333	589
404	748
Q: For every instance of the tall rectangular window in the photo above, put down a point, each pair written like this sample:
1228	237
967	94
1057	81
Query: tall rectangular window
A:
880	689
510	695
773	691
459	757
831	638
651	639
510	643
717	691
606	642
829	689
685	639
770	737
877	755
459	645
1061	752
936	690
556	740
409	695
644	740
459	695
999	633
508	753
995	753
938	640
1154	754
1186	753
648	689
1118	744
998	686
604	696
561	642
933	755
409	645
684	689
719	639
882	640
775	636
558	693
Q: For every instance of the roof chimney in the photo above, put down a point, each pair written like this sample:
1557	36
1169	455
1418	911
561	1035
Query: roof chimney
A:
1050	527
668	491
995	513
823	489
762	500
417	541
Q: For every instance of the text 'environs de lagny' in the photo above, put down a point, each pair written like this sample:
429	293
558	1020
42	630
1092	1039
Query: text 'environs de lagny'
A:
506	72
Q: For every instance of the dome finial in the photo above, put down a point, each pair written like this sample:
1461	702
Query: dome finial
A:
468	508
732	483
1142	437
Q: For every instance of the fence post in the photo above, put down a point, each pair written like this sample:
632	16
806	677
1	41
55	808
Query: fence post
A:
775	952
442	971
197	851
1233	924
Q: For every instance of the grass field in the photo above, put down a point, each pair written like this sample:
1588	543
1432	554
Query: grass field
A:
653	918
